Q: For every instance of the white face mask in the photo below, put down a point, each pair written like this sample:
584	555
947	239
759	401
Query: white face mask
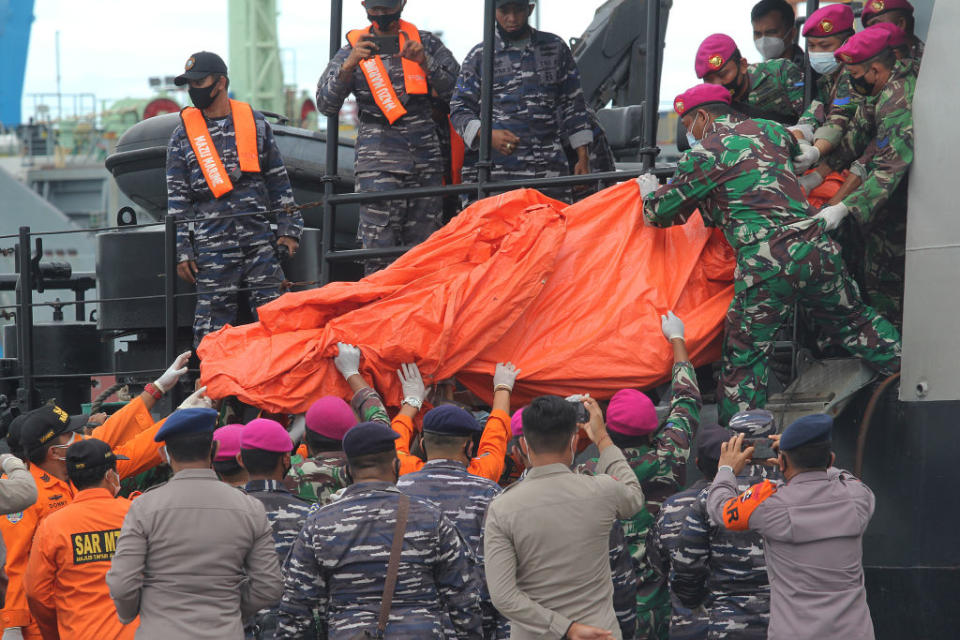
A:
691	139
770	46
823	62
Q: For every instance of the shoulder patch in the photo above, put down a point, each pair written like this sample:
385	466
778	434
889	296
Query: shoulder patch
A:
16	517
840	102
737	511
883	143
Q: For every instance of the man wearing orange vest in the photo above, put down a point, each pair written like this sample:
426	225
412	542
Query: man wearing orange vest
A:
222	161
397	145
66	576
43	438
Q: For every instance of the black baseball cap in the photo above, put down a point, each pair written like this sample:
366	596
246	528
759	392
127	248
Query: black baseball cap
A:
40	426
90	453
199	66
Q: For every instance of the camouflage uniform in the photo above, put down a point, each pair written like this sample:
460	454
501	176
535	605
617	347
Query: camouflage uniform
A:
663	541
463	498
776	91
660	468
286	514
833	105
878	206
318	478
536	95
723	570
402	155
231	252
339	563
741	178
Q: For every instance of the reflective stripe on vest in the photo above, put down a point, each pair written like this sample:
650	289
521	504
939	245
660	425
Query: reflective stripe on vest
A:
414	78
245	129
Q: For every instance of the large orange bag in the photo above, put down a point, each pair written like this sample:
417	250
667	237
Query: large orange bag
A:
570	294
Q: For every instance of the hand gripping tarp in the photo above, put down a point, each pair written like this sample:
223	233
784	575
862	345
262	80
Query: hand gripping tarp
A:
572	295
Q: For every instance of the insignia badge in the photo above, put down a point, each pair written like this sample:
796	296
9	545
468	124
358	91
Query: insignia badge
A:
715	61
678	106
189	65
14	518
826	26
877	5
63	415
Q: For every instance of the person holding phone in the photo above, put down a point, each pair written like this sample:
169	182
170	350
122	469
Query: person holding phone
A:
657	454
392	68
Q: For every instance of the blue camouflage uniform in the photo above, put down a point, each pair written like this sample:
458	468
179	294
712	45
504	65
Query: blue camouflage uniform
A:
725	570
286	513
463	498
663	542
338	566
536	95
231	252
402	155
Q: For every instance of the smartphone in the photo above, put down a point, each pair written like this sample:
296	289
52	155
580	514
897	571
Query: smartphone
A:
762	448
386	45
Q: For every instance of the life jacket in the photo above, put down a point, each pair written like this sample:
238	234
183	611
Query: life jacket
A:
245	128
414	77
457	151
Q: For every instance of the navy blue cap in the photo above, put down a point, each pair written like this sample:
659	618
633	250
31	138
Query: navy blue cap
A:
755	423
90	453
368	438
807	430
186	421
450	420
709	439
199	66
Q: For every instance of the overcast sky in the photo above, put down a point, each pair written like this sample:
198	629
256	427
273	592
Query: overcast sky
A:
110	47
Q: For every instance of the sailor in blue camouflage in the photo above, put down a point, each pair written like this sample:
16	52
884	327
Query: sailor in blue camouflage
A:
393	156
537	99
286	513
723	570
662	542
338	566
659	463
463	498
230	252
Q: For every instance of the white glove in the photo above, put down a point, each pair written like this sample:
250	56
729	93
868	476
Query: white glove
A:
11	463
171	375
810	181
197	400
648	183
672	326
504	376
347	361
809	155
414	391
804	130
12	633
833	215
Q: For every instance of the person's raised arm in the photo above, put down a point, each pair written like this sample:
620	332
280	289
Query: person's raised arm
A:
629	499
336	82
366	402
673	440
492	451
414	395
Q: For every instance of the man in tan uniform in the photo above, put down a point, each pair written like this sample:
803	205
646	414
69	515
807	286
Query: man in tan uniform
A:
546	539
195	556
812	527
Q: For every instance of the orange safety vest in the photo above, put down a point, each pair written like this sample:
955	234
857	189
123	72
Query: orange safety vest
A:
414	77
245	128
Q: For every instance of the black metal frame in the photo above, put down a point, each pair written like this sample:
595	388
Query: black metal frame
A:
25	282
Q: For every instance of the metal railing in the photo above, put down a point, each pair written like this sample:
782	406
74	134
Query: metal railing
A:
27	264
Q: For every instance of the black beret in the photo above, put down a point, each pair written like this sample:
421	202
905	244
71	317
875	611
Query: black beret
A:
807	430
450	420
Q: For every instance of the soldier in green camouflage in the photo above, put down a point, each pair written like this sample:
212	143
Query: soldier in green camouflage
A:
771	89
874	196
741	178
900	14
658	456
318	477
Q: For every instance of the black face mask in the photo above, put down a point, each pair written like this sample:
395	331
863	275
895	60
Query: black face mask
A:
202	97
519	34
385	20
861	86
734	85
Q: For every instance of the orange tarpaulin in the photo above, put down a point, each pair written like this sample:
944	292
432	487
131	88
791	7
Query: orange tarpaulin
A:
572	295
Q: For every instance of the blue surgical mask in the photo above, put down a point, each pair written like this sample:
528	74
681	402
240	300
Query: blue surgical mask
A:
823	62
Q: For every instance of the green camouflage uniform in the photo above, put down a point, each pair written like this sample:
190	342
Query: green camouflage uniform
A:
660	468
776	91
831	108
878	214
741	178
318	478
